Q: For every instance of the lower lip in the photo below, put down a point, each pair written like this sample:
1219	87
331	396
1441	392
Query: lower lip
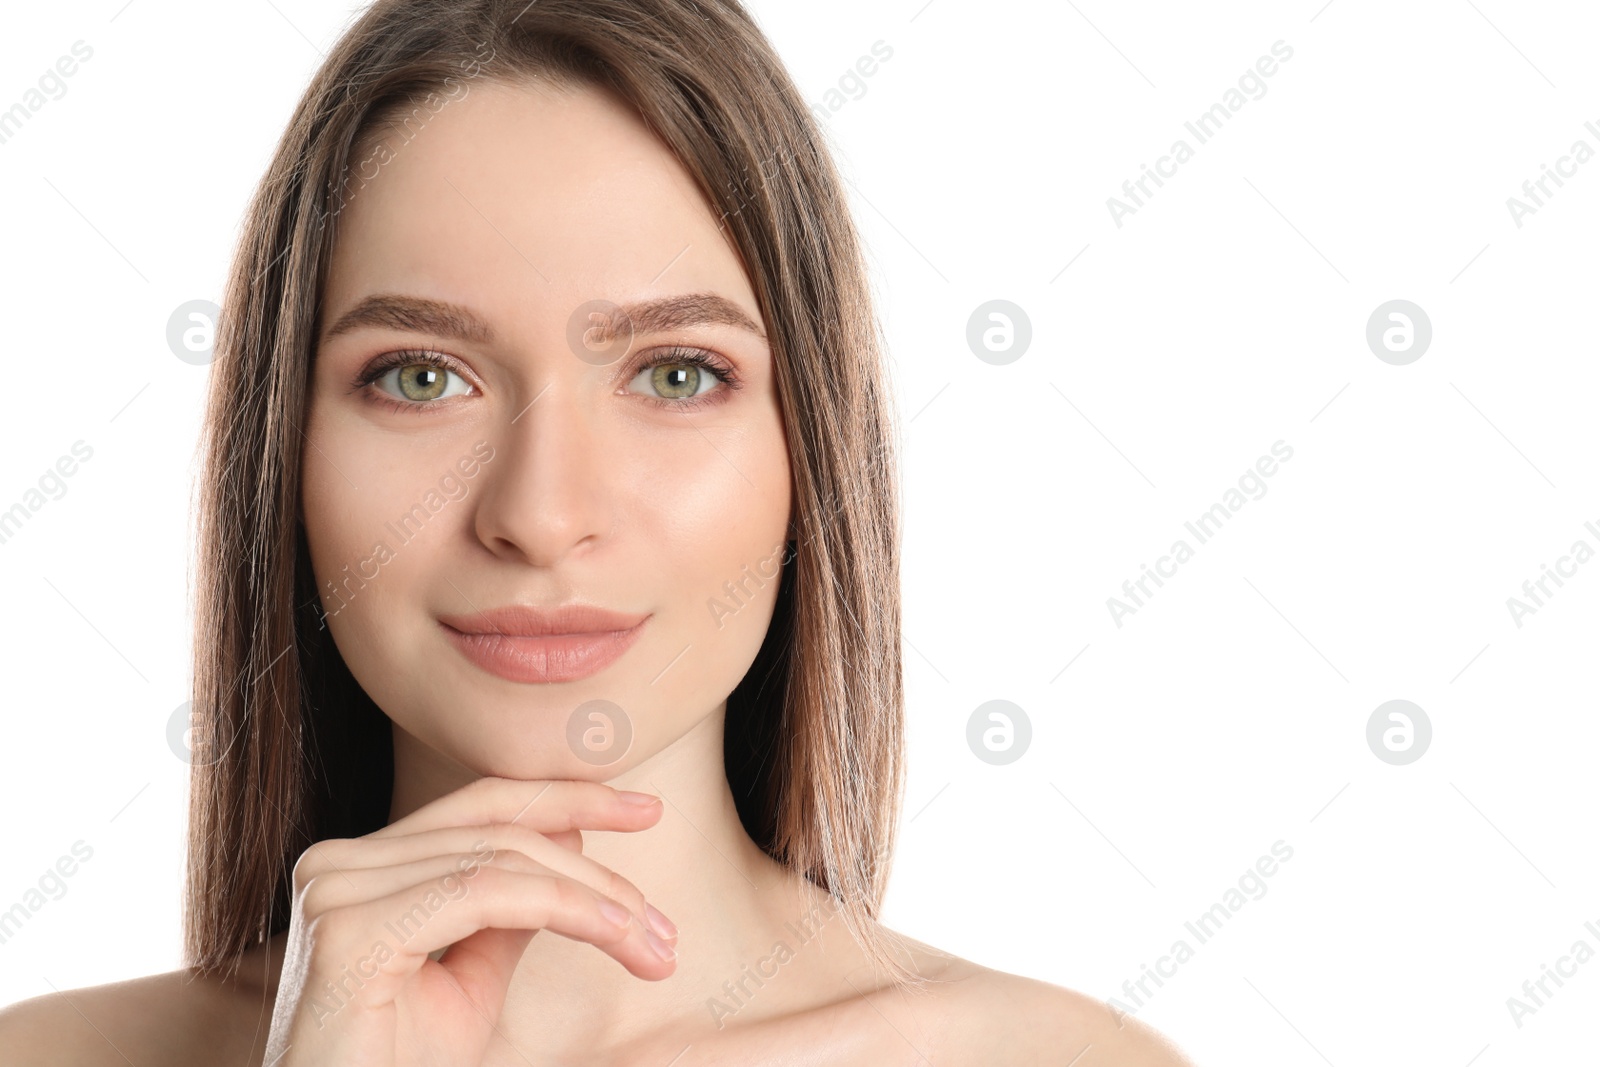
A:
556	658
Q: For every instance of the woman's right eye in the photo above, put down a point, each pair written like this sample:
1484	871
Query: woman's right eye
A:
410	381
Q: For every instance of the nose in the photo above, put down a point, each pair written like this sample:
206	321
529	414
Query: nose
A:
545	496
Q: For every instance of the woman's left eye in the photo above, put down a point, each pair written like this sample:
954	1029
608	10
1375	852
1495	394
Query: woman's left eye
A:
682	378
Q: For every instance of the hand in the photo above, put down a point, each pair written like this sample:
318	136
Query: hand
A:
482	869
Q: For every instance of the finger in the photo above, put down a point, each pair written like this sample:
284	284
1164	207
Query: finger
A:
547	805
412	857
447	875
499	899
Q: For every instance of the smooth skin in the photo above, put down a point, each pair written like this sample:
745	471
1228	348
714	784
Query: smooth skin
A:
522	204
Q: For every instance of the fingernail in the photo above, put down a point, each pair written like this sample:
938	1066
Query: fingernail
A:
659	922
616	912
640	799
664	950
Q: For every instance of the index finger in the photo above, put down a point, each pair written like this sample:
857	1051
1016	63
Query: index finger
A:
547	805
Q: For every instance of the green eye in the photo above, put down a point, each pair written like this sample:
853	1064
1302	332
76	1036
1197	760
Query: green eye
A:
418	381
677	381
685	378
413	378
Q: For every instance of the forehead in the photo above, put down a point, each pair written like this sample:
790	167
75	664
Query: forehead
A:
521	191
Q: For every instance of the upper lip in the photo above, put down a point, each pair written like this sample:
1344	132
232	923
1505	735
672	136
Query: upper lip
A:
519	620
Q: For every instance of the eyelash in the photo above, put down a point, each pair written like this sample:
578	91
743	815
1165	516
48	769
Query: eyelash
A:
674	355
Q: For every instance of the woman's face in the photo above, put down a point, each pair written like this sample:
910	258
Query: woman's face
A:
536	459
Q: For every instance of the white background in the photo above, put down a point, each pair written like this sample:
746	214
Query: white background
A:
1167	355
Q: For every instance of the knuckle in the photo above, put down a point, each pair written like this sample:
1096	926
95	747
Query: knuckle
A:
498	838
307	867
569	895
476	853
522	838
492	879
318	896
551	892
623	891
479	798
512	859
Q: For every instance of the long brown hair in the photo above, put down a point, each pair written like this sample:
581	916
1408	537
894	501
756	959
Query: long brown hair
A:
291	750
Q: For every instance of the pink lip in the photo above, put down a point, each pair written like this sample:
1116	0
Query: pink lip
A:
523	644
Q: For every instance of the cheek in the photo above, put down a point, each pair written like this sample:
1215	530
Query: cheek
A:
719	508
714	501
363	508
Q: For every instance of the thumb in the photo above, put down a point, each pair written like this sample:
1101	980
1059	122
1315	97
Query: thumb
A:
482	964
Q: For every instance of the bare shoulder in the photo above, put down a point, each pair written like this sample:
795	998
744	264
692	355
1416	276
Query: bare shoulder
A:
172	1018
987	1016
1055	1025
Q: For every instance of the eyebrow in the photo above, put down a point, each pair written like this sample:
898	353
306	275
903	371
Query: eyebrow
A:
440	318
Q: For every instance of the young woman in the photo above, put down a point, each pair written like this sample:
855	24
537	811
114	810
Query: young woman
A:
548	585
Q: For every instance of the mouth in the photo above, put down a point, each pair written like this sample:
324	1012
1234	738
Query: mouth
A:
532	646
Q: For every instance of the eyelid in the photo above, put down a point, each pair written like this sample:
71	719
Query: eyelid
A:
719	367
402	357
